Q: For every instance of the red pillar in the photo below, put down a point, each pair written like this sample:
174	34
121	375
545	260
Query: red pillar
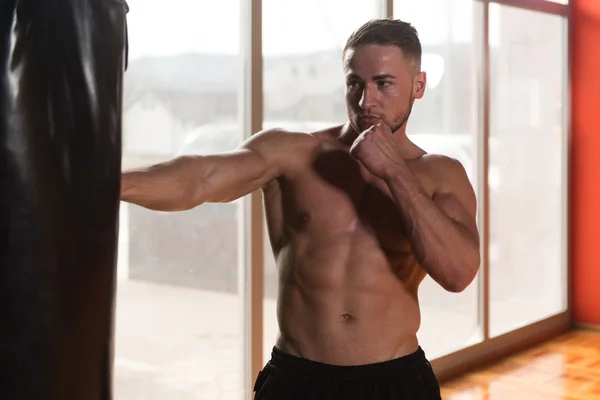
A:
585	161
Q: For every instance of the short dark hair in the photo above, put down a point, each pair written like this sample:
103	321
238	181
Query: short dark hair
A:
387	32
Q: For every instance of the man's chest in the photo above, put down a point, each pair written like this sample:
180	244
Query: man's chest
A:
336	195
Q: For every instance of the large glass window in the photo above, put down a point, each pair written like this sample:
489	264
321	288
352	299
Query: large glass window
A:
304	84
180	97
445	121
527	255
180	315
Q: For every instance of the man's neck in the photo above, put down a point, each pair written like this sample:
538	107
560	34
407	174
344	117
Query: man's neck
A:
348	134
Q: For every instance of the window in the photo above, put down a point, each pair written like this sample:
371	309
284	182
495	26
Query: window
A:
180	313
445	122
180	97
527	252
304	84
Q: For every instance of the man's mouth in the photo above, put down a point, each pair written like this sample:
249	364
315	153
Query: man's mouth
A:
369	119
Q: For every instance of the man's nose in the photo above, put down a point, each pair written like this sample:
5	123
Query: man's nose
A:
367	99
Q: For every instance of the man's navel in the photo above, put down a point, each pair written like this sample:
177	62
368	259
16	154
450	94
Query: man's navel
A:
346	317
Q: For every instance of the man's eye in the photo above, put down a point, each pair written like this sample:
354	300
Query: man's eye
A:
383	83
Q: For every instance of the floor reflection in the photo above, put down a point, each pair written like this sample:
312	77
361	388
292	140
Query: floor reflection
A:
565	368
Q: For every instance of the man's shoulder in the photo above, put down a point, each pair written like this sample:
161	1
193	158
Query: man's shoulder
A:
289	151
285	140
319	134
441	163
444	170
280	135
451	181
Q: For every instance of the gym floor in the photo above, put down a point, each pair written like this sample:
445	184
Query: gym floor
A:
567	367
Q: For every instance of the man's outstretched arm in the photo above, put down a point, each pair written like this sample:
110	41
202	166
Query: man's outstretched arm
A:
188	181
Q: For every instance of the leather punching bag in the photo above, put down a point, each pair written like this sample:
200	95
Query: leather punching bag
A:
62	64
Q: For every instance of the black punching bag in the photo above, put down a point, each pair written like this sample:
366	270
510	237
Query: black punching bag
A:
62	64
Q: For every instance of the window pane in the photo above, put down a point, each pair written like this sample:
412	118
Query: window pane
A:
445	121
179	314
527	265
304	84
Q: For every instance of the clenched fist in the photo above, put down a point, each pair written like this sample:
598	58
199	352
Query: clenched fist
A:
376	150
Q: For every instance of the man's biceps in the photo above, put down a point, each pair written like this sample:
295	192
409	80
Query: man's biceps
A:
464	195
459	214
455	209
448	201
259	156
259	167
244	160
466	218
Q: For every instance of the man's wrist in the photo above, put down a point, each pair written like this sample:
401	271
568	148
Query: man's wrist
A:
126	185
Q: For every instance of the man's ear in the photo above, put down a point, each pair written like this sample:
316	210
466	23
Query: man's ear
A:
419	84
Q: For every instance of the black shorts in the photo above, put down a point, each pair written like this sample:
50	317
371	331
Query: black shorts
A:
286	377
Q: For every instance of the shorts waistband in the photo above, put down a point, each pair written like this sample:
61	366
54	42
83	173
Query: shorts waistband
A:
385	369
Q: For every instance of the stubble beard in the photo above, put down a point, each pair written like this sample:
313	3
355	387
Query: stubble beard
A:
394	125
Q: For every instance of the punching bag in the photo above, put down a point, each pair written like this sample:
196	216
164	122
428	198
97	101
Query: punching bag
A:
60	162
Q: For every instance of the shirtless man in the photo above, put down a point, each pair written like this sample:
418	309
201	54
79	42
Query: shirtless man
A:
357	216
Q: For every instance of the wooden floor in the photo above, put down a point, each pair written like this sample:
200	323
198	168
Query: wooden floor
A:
565	368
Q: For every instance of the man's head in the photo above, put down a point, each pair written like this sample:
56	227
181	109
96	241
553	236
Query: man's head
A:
382	65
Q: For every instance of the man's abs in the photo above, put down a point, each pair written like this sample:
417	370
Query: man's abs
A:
346	305
347	277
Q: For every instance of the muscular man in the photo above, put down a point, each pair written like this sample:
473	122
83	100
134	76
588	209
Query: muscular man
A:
357	216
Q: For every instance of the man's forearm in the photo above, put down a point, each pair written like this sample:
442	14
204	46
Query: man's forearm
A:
161	187
444	248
